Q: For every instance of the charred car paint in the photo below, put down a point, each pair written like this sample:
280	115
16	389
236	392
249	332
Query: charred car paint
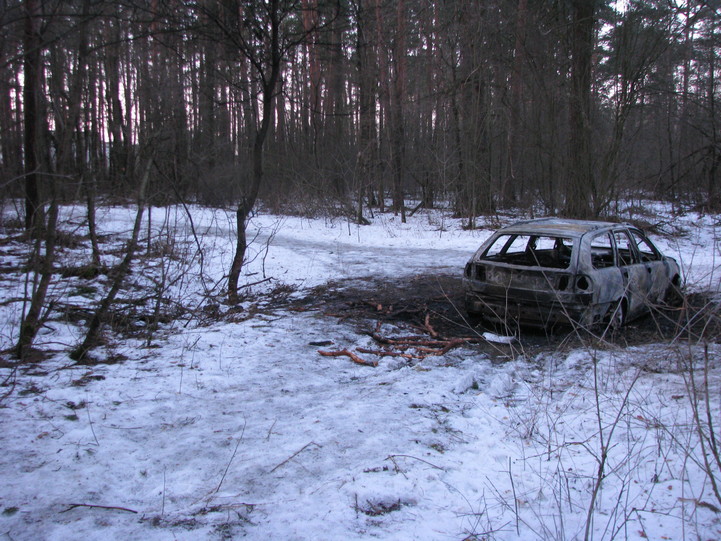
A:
553	271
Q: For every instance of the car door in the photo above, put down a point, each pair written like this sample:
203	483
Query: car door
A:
652	260
636	276
609	287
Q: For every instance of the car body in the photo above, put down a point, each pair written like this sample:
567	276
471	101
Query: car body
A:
553	271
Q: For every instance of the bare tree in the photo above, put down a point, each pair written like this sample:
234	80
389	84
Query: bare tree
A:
260	33
120	273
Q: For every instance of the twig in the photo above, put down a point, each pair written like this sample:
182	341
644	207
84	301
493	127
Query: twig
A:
391	457
87	409
291	457
162	504
11	381
397	468
92	506
195	236
245	422
270	430
258	282
515	499
605	440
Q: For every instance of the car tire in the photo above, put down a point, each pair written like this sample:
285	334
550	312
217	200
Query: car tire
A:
474	319
673	296
617	317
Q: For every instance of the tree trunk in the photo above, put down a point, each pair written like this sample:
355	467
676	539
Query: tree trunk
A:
10	133
367	94
580	180
397	115
714	200
384	99
32	92
32	321
508	187
310	25
71	124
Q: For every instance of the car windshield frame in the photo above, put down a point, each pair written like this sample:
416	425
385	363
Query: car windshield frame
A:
530	249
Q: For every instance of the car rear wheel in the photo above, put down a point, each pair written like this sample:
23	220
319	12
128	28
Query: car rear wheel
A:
673	296
618	316
474	319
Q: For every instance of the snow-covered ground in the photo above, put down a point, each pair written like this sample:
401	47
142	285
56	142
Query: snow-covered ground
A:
239	428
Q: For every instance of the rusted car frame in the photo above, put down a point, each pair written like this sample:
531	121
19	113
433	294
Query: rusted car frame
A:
551	272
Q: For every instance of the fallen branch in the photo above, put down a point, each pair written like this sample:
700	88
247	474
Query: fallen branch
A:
72	506
444	346
401	340
395	313
387	353
341	317
422	345
429	343
427	325
345	353
419	341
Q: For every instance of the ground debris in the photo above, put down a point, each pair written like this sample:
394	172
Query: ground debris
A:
425	343
346	353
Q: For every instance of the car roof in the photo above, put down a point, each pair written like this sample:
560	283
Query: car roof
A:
559	227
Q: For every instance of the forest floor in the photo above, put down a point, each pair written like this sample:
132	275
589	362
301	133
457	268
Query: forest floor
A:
196	420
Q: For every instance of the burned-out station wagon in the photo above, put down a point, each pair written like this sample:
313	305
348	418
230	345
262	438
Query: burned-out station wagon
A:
554	271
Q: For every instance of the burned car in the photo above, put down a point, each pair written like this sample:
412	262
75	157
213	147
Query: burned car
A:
551	272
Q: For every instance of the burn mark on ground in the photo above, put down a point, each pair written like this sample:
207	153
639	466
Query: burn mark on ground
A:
437	300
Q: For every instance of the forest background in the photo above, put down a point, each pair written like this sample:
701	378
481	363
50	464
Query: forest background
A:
344	106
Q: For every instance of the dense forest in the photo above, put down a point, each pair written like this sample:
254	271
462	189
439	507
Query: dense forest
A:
348	105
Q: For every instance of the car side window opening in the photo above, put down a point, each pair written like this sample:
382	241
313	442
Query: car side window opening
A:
602	251
499	246
518	245
625	249
646	250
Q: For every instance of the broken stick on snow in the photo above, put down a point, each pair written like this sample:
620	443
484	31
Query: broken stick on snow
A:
345	353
